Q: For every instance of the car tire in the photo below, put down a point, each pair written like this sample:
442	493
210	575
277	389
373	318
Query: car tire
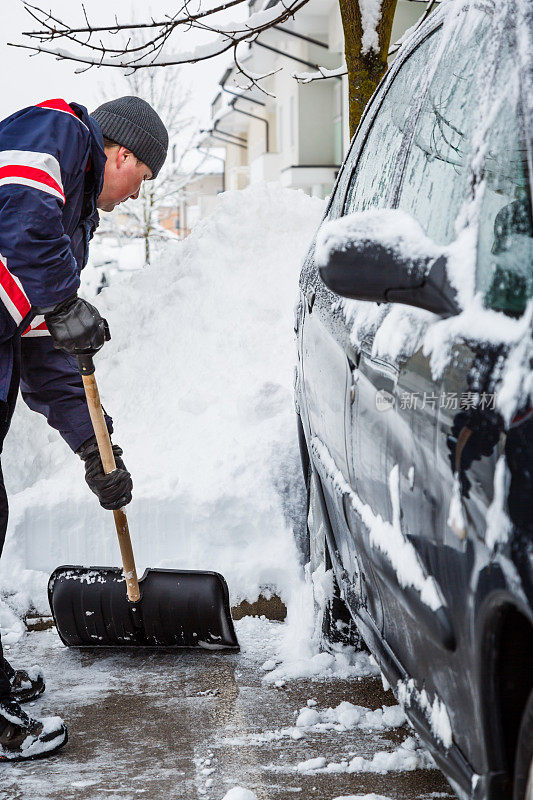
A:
523	771
334	622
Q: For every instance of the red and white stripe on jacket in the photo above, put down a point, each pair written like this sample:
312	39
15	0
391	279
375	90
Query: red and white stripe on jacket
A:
39	170
57	104
12	294
37	327
17	303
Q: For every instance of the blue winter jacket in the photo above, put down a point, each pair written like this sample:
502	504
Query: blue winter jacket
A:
52	165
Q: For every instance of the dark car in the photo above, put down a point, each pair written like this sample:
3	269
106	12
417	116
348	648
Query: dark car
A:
414	396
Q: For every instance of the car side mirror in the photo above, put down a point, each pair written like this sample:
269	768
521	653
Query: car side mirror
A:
384	256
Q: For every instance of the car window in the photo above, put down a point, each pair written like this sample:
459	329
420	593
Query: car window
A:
438	175
504	270
371	180
436	178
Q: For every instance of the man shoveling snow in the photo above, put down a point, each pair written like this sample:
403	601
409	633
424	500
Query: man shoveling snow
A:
58	165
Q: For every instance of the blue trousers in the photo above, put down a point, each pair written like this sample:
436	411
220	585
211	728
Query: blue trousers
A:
6	412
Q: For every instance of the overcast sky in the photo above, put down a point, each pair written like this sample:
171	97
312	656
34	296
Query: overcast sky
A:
28	79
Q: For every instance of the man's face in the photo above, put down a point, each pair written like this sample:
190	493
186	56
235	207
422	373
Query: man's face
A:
122	179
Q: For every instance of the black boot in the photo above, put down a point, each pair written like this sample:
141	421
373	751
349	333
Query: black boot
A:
23	738
25	685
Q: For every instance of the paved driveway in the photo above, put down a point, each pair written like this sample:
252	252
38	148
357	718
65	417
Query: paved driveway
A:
190	725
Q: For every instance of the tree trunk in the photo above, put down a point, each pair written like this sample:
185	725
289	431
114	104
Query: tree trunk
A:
365	70
147	248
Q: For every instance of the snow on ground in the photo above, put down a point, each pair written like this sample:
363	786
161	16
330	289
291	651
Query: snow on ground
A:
362	797
198	377
188	725
238	793
408	756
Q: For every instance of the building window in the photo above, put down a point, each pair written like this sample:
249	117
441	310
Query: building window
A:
337	123
292	122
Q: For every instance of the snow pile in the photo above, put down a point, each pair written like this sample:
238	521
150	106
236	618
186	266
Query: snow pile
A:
310	720
238	793
362	797
298	649
346	663
346	716
198	377
405	758
11	625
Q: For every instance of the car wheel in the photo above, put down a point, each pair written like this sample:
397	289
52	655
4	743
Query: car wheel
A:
523	772
334	622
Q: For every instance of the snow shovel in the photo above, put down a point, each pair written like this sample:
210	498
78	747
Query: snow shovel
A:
110	607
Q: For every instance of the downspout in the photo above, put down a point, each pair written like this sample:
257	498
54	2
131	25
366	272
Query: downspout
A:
278	52
237	95
220	139
301	36
287	55
229	134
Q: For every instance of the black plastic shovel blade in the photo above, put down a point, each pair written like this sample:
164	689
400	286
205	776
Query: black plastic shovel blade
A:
178	608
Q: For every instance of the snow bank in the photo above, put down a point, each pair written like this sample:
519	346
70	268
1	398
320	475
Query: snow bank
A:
300	643
198	377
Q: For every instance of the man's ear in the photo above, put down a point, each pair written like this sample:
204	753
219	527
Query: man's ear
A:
122	153
123	156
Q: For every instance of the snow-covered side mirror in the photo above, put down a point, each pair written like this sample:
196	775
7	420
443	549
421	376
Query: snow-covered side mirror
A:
385	256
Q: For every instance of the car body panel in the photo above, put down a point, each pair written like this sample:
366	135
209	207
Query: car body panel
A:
431	471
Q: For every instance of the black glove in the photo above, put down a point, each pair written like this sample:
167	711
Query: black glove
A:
76	326
114	489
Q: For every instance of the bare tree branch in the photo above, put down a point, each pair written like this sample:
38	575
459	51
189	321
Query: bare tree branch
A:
253	77
51	32
166	93
149	53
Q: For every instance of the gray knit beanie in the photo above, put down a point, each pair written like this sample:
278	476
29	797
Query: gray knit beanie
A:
133	123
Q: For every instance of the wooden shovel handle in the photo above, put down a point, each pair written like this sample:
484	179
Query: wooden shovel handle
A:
108	461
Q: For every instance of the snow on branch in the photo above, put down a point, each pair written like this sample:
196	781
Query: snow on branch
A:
371	13
89	48
320	75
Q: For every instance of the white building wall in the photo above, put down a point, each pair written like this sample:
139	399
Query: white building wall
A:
308	124
315	131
